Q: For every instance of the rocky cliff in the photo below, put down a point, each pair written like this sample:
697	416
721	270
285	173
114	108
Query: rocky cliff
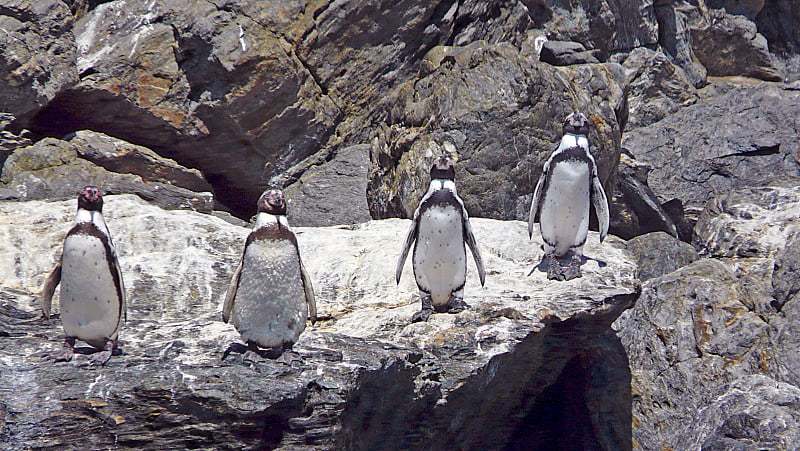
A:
189	109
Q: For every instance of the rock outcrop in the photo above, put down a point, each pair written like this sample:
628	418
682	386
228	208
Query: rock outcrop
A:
713	344
529	358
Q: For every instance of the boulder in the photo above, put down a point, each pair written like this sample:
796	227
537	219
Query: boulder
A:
499	114
333	193
37	54
731	45
674	37
659	253
736	139
528	359
779	22
747	8
657	87
713	345
560	53
56	169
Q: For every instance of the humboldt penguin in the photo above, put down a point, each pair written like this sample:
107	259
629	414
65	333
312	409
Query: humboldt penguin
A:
561	199
270	296
92	292
438	230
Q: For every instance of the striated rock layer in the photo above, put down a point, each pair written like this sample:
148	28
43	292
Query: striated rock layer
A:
529	360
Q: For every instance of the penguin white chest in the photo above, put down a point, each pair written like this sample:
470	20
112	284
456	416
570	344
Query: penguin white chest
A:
439	260
564	216
90	305
270	306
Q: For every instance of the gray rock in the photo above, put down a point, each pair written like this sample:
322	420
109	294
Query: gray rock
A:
730	45
561	53
125	158
37	54
779	22
751	222
364	377
740	138
635	209
55	169
333	193
657	87
674	37
747	8
659	253
498	113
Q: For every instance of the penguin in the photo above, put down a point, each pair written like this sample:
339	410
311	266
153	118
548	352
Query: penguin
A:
92	292
270	296
438	230
561	199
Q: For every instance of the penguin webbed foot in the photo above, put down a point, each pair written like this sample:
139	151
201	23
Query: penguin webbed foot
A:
253	353
102	356
456	305
573	270
427	310
554	269
66	353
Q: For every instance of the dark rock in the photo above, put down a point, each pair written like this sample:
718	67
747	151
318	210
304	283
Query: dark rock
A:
55	169
608	26
674	38
747	8
530	358
786	278
37	54
659	253
635	209
657	87
730	45
499	114
125	158
560	53
333	193
779	22
740	138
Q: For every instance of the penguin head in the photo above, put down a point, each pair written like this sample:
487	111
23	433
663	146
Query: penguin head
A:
443	168
576	123
272	202
90	199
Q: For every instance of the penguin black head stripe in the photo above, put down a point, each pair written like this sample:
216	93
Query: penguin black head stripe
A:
272	202
576	124
443	168
90	199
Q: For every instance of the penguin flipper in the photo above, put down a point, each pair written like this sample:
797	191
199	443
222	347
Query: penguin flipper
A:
537	195
122	299
231	294
410	238
469	238
309	290
50	288
600	203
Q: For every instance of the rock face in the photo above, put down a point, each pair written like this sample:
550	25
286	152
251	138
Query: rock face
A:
527	359
740	138
447	111
713	345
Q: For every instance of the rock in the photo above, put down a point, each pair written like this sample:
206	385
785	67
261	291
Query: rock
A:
607	26
124	158
778	22
634	207
751	222
560	53
730	45
529	358
675	39
499	113
658	253
37	54
737	139
657	87
747	8
53	168
697	339
333	193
